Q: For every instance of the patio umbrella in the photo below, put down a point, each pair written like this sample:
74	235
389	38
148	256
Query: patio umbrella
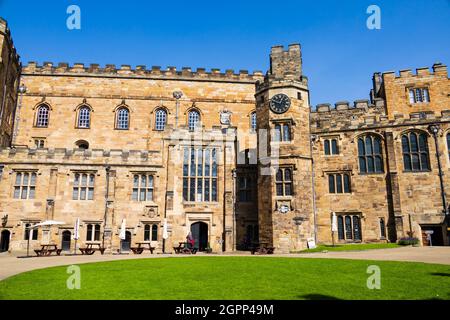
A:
165	235
122	233
76	233
334	227
47	223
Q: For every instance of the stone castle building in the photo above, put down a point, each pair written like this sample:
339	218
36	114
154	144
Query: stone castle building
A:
234	158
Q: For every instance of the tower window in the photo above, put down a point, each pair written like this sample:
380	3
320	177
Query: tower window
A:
331	147
419	95
253	121
283	182
282	132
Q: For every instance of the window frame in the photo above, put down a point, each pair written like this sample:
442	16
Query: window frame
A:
139	189
38	115
419	153
253	122
158	126
25	189
150	232
194	126
372	155
331	146
79	188
118	119
342	186
209	177
34	232
79	115
284	182
418	95
279	132
93	235
343	232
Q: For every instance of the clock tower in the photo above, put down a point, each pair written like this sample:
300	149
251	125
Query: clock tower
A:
285	186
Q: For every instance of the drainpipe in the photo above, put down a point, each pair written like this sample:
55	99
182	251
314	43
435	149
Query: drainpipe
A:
108	168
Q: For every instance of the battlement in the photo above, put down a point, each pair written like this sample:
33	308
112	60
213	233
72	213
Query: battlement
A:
438	69
362	104
86	157
141	71
373	117
4	30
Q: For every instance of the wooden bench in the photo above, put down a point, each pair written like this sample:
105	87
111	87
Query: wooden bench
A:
183	248
47	250
141	247
90	250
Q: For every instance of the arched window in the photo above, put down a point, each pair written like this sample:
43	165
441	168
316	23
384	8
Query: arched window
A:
193	120
82	144
123	119
448	144
160	119
415	152
84	117
370	154
382	229
283	182
253	122
42	116
154	232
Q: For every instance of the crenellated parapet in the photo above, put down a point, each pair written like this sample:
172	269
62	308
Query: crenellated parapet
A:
52	156
367	116
438	69
4	30
141	71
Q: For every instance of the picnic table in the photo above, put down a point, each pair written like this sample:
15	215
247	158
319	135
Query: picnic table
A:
263	248
185	248
142	246
91	248
47	250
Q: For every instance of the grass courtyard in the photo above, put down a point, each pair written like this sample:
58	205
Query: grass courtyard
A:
225	278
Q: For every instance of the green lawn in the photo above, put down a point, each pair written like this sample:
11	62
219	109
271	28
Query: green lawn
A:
210	278
352	247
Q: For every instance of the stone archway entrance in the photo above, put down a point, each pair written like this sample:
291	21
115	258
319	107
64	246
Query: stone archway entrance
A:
126	243
199	232
4	240
66	238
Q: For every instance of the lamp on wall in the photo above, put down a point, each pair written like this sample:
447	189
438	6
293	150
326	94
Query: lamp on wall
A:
4	220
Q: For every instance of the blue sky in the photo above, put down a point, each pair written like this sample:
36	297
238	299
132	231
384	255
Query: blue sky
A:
339	53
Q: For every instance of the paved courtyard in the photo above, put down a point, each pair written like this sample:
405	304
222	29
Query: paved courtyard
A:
11	265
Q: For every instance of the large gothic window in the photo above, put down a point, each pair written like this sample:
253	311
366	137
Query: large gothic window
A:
42	116
193	120
200	168
84	117
415	152
370	154
123	119
160	119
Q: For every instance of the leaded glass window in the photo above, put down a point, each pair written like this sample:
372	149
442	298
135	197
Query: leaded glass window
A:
200	168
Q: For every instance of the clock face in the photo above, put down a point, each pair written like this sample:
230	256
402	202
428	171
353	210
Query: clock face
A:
280	103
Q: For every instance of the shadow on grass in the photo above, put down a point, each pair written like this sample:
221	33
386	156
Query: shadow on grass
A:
315	296
442	274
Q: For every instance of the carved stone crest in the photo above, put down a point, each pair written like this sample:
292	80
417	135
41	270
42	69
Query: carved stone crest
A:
225	117
151	211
